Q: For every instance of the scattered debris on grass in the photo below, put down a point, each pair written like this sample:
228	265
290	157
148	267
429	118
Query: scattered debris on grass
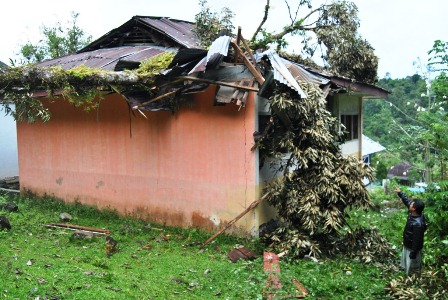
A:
429	285
113	289
207	271
65	217
10	207
271	266
81	235
4	223
241	253
111	246
10	184
299	286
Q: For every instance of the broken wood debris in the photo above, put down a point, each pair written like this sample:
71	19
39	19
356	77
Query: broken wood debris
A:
299	286
10	191
271	267
249	65
249	208
241	253
77	227
110	246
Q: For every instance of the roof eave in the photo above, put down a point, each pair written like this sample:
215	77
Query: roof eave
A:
367	90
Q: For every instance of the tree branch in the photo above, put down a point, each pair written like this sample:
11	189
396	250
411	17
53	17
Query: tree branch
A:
295	27
265	17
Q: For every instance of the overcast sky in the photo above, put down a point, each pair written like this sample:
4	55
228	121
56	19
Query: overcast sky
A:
401	31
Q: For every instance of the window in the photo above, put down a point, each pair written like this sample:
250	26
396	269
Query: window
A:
351	126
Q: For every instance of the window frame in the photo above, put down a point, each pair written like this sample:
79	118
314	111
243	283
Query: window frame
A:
351	124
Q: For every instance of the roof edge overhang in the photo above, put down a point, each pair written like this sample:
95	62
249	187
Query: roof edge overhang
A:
367	90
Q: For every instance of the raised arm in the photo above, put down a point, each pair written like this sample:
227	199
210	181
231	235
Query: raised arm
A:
406	200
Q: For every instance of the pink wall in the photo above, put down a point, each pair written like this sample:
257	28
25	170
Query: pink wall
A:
194	168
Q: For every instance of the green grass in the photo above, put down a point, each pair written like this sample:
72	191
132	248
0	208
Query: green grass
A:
37	261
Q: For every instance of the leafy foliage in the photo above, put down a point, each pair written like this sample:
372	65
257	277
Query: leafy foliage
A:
437	214
347	53
81	86
209	24
57	41
331	29
410	124
152	67
73	84
364	244
310	200
381	171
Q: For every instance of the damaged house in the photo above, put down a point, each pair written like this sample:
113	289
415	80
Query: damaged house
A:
182	155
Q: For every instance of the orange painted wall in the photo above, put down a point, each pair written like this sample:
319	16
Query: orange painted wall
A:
193	168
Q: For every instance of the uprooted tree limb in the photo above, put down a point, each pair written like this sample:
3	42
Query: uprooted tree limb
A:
318	184
331	29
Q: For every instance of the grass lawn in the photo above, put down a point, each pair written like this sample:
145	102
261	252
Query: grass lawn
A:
158	262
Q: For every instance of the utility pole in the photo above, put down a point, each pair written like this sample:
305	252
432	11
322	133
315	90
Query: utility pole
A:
428	176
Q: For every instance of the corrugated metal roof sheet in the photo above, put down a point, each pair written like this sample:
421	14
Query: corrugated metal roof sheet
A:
141	30
281	72
369	146
218	50
298	71
180	31
106	59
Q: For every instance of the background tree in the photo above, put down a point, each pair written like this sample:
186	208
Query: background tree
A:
381	171
412	123
210	24
57	41
439	55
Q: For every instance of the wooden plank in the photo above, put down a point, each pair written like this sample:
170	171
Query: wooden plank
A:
238	42
237	86
249	208
246	46
155	99
251	67
228	73
77	227
9	190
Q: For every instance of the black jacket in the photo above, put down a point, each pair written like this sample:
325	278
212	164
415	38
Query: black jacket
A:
414	230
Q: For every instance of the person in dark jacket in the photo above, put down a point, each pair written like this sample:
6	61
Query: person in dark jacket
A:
413	234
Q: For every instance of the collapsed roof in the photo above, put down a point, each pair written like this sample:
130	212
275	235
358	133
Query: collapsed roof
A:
232	68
